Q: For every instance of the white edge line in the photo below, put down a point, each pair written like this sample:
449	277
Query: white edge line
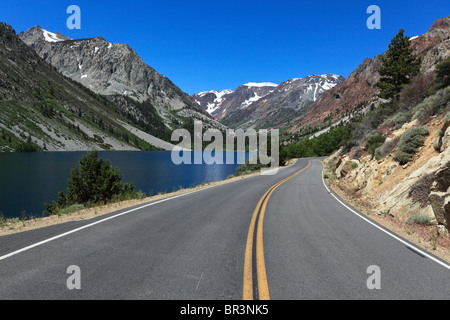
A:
380	228
102	220
90	225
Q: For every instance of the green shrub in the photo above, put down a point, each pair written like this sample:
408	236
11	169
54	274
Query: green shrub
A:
432	105
374	141
248	168
420	219
413	138
93	181
71	209
402	157
442	74
399	118
408	144
447	117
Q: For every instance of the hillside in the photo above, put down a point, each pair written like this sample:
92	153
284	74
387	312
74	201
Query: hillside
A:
394	157
411	198
43	110
116	71
359	87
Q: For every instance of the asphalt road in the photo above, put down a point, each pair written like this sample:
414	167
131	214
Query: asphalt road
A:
200	246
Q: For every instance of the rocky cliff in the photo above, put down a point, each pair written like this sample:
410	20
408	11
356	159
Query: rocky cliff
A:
419	188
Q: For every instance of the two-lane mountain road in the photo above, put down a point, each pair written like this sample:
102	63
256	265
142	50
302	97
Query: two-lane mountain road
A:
265	237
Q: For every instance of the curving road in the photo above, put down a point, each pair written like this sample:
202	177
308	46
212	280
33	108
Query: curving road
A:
279	237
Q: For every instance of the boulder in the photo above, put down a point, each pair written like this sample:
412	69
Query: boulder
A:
387	147
437	144
398	203
440	194
442	177
339	165
440	202
445	139
346	167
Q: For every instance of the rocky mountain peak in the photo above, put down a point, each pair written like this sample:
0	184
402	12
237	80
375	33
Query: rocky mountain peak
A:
113	69
38	33
220	103
442	23
279	106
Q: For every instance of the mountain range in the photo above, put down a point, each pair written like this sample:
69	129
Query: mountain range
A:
117	72
221	103
79	94
61	94
266	105
49	111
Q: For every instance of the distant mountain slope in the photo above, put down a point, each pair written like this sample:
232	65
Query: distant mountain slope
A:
278	107
219	104
42	109
116	69
359	87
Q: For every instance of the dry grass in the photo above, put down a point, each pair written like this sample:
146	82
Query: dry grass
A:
420	191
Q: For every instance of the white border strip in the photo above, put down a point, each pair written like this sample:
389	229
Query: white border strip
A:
93	224
380	228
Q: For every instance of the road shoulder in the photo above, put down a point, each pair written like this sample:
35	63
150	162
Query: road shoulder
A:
420	236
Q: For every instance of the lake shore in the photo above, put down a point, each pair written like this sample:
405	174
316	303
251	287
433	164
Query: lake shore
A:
17	226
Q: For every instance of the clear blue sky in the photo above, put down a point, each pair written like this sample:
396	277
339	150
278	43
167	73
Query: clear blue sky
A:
208	44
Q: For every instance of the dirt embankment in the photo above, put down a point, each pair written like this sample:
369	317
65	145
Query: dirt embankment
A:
382	189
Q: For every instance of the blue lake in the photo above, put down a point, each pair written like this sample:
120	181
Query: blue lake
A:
27	180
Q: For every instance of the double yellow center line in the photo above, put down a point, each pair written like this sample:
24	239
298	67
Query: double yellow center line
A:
263	287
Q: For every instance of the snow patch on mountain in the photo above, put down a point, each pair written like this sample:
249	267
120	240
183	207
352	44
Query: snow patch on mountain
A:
213	105
260	84
248	102
51	37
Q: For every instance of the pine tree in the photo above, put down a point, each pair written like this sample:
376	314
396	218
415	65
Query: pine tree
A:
93	180
399	65
442	79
